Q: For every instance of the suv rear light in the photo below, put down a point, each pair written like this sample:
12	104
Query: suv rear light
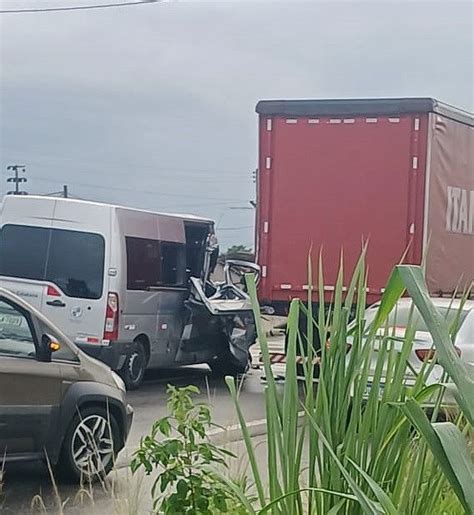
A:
111	317
430	354
53	292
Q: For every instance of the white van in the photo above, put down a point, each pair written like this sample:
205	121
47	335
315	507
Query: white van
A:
114	279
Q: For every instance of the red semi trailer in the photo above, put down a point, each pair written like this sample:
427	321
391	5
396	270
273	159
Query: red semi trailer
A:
333	173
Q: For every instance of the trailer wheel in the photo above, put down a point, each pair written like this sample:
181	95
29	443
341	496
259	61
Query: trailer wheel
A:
226	365
133	370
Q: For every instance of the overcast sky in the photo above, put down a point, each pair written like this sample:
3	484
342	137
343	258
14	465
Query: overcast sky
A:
154	105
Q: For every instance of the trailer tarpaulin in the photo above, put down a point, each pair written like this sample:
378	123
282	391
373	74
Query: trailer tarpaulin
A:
449	230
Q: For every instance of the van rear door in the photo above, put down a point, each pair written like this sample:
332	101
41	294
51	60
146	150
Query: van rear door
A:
60	272
75	296
77	267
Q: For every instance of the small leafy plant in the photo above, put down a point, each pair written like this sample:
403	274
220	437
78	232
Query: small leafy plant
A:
186	482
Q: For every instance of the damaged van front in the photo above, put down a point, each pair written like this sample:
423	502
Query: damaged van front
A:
220	321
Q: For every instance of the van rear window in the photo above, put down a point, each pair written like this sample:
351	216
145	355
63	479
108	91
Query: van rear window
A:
72	260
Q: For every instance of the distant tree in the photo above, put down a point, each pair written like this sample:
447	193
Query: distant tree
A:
238	252
238	249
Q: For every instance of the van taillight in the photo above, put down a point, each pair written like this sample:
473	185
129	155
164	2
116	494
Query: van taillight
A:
53	292
111	317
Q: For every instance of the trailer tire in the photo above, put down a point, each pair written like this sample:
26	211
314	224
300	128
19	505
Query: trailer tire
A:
227	366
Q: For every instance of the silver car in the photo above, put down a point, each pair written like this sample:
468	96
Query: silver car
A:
423	349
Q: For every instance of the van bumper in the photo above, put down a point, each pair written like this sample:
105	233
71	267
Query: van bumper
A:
113	355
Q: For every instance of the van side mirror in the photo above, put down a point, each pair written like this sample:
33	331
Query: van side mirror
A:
48	345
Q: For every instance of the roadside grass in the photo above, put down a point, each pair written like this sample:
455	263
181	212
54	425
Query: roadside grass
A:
119	494
361	450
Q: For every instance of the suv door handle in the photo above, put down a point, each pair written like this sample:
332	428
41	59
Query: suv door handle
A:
56	303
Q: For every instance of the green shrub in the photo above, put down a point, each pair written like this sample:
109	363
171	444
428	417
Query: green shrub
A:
184	460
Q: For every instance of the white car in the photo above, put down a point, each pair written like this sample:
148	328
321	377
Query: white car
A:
423	349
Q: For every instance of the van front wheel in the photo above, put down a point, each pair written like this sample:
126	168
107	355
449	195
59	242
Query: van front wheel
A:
134	367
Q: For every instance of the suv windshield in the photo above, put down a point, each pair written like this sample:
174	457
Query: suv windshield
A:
72	260
16	337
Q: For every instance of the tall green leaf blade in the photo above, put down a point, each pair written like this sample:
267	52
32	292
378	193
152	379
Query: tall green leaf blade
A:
382	496
247	440
262	340
415	414
290	407
458	454
392	294
369	506
272	504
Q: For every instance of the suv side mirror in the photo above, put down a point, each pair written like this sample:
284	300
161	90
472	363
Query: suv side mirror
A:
48	345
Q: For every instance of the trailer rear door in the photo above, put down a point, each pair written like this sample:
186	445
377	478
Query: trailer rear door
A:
330	183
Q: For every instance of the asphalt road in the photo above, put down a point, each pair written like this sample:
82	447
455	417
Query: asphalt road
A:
23	483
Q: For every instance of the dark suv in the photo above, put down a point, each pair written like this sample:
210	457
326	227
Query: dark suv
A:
56	401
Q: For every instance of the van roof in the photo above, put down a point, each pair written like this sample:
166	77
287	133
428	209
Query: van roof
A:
25	198
361	107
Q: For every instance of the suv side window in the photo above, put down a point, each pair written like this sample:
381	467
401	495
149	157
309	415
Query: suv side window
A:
16	336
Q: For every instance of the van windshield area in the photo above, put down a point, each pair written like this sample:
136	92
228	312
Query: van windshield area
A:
72	260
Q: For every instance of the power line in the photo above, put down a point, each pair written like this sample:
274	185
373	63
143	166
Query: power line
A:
77	7
148	192
207	173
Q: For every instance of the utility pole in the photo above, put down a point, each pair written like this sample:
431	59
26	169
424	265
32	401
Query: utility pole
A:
64	193
16	169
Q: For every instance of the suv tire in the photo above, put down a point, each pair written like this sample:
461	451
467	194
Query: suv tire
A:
90	446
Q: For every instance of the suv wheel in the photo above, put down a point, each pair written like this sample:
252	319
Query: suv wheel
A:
90	445
133	370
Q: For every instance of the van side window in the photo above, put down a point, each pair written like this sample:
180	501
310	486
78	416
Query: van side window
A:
143	263
23	251
152	263
73	260
16	337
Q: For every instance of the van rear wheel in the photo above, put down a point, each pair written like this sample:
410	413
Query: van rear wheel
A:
133	370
